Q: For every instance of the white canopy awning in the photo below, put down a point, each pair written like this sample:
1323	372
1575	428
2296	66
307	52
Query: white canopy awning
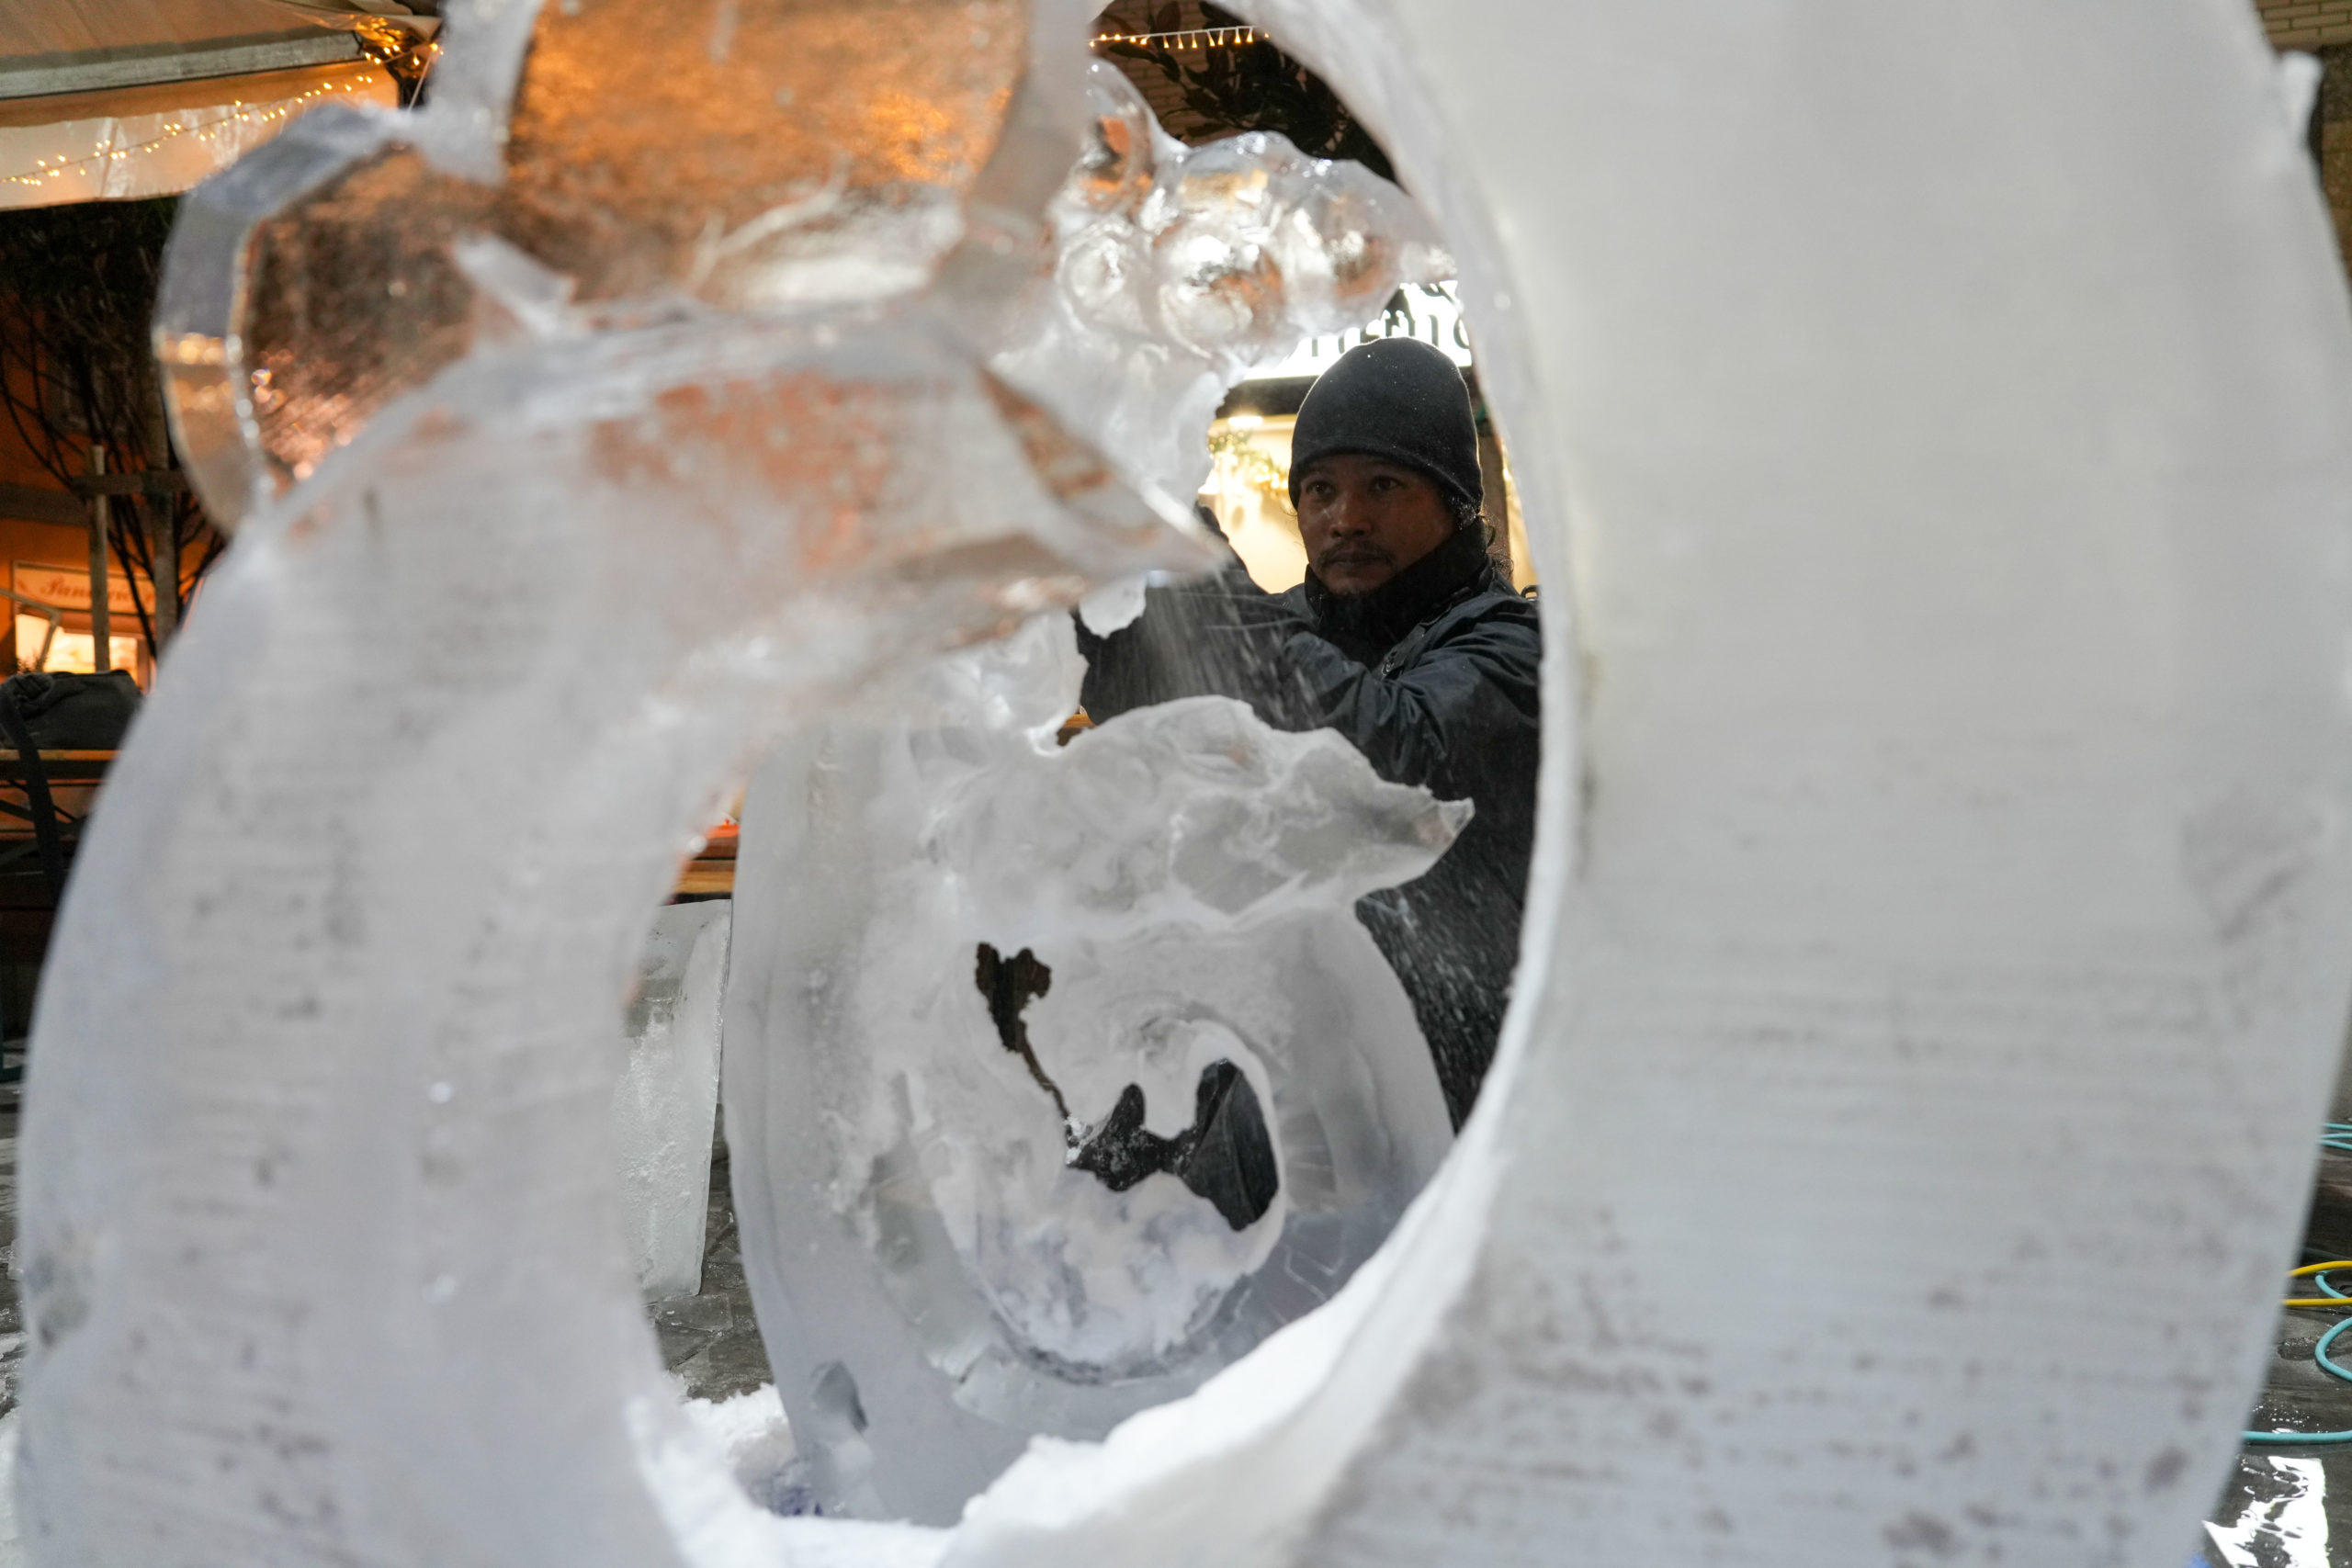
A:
109	100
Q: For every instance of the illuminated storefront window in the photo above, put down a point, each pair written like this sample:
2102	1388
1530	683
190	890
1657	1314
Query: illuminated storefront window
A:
71	650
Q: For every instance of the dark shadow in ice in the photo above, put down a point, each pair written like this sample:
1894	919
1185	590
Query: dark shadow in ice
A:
1011	985
1225	1156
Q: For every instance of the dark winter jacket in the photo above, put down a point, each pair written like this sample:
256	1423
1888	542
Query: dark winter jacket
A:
1435	678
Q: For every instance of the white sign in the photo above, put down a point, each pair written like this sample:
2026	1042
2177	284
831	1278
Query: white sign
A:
68	588
1430	313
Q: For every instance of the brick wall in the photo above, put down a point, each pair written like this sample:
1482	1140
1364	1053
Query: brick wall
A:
2306	24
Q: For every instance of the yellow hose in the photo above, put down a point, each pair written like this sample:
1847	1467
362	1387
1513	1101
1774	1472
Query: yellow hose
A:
2306	1271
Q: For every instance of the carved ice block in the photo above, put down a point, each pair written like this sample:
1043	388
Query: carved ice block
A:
666	1105
1178	268
1077	1081
1942	924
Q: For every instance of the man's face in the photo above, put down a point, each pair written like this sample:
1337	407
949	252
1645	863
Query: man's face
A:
1365	519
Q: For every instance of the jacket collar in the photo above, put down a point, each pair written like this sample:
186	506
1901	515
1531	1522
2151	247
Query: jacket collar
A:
1365	625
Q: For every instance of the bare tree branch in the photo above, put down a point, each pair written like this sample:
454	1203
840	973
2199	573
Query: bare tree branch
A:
78	291
1254	86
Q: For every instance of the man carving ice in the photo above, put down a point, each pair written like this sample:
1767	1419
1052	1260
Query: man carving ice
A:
1405	638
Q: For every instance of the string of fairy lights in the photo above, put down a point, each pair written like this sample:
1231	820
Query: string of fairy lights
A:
47	170
1190	38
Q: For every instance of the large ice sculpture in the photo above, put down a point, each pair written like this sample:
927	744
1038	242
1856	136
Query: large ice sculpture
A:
1941	928
1079	1080
475	770
505	616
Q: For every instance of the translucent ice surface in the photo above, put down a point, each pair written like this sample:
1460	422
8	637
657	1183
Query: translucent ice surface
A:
776	154
665	1108
1079	1080
656	526
1178	268
1937	951
493	645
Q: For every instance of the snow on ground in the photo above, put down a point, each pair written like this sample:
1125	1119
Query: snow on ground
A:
751	1428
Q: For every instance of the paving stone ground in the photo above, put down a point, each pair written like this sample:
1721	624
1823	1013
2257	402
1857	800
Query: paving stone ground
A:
2290	1504
711	1338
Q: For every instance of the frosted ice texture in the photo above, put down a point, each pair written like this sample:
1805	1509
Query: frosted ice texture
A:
666	1107
939	1277
421	774
1178	268
1942	918
1911	869
12	1542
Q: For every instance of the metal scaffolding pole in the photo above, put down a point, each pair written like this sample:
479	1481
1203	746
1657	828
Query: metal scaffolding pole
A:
101	519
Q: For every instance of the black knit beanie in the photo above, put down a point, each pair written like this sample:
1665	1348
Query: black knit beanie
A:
1399	398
